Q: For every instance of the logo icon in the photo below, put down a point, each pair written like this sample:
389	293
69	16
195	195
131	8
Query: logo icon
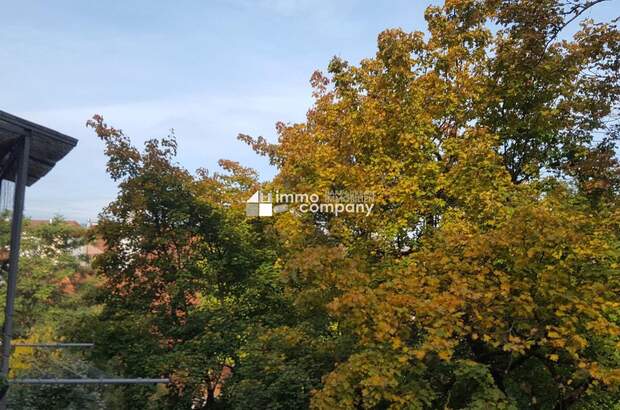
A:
259	204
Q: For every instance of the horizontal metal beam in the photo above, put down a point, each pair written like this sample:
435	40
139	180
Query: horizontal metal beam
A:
89	381
53	345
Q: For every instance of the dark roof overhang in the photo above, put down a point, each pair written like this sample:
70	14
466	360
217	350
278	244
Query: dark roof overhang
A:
47	147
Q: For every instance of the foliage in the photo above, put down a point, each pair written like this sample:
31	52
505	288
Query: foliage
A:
47	264
493	243
486	276
179	271
52	282
61	397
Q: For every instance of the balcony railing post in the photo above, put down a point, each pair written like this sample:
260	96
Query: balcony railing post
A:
21	179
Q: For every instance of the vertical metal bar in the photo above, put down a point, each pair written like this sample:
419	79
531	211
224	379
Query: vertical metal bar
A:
21	177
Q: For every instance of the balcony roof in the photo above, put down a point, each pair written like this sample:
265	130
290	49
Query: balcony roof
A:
46	149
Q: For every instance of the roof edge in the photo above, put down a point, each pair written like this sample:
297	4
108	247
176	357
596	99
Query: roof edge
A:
29	125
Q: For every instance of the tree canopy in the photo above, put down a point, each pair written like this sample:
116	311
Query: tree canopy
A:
486	275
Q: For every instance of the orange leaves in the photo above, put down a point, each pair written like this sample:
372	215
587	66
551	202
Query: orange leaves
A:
501	287
468	252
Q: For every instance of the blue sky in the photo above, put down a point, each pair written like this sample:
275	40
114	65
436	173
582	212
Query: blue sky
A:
208	69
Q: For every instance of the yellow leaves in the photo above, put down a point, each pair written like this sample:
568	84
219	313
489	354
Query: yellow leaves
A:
577	343
505	288
558	343
376	381
516	344
514	339
384	329
25	357
445	355
607	376
531	280
396	343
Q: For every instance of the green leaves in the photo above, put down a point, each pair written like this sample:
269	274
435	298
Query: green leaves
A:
486	274
181	270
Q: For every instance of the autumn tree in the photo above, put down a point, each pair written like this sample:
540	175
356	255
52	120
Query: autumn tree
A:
185	275
487	274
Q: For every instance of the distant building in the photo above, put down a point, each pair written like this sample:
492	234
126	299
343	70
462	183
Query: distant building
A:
88	250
